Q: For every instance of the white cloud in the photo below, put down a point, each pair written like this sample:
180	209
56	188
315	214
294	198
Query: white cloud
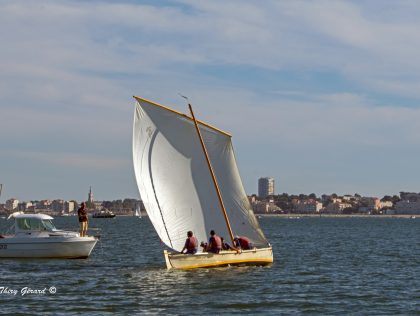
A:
338	118
348	38
69	69
73	160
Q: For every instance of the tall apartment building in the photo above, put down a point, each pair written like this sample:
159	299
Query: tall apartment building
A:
265	187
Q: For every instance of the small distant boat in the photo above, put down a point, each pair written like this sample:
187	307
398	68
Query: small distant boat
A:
103	214
188	180
35	236
137	213
412	217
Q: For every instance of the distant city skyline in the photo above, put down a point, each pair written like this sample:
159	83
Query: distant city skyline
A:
266	189
322	95
406	203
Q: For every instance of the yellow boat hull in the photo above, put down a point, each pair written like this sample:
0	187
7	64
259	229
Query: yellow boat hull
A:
258	257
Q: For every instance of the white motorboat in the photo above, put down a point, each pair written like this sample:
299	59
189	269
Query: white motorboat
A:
35	236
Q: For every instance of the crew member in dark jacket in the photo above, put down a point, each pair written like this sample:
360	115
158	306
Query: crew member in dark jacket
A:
83	219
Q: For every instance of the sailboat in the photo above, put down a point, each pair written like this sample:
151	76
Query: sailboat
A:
137	213
188	180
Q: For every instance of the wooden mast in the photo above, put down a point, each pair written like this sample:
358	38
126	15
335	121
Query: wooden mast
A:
219	195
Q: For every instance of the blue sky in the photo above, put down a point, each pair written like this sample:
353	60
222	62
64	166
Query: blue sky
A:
321	95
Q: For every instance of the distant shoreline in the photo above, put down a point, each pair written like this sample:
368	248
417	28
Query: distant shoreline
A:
339	215
317	215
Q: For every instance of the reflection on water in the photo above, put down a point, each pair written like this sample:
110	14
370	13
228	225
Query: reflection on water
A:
322	266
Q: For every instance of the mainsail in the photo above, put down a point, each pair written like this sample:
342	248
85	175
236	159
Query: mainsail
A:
174	180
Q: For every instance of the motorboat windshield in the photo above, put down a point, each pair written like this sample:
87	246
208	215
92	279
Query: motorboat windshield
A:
34	224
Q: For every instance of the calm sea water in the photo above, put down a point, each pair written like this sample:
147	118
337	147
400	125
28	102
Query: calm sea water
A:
322	266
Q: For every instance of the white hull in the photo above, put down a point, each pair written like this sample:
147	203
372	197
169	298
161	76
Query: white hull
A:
262	256
48	247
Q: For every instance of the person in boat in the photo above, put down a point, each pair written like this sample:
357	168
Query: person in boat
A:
226	246
83	219
204	245
191	244
215	243
243	243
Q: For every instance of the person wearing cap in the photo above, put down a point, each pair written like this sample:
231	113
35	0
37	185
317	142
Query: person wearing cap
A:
83	219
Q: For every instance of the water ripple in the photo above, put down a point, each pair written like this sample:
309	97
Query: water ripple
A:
322	266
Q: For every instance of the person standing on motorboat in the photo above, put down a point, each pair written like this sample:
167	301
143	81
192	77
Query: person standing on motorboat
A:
83	219
191	244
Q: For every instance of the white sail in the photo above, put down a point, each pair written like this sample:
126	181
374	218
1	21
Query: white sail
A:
175	182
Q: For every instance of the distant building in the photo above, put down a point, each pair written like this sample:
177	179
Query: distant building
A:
12	204
24	206
308	206
261	207
408	196
409	204
369	204
336	207
58	205
70	206
265	187
386	204
372	202
325	198
252	199
349	197
44	204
